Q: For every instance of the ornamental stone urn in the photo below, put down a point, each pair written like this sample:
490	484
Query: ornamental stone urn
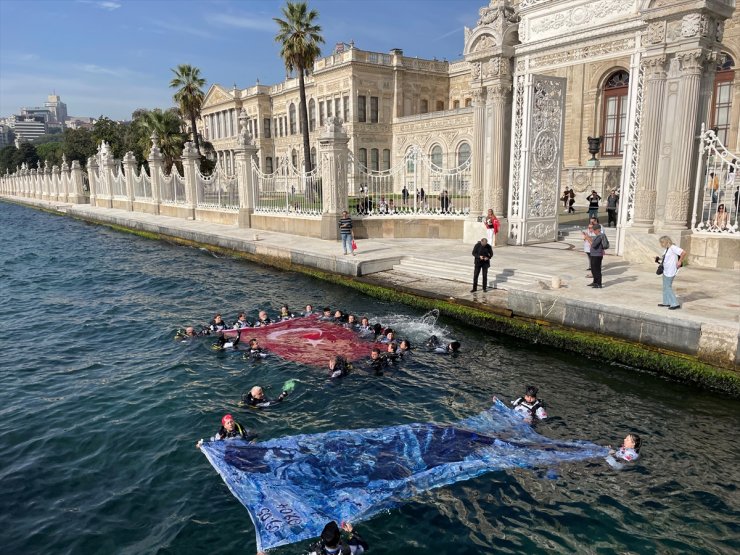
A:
594	145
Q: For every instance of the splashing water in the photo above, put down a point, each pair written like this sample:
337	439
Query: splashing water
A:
418	330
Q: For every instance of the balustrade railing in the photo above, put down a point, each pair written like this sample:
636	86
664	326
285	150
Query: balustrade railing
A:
142	185
172	187
217	191
287	190
118	183
416	186
717	189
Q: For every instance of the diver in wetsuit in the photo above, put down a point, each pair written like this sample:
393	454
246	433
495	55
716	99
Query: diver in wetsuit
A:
434	345
255	398
285	313
241	322
223	343
629	452
263	319
331	542
377	362
217	324
189	333
338	367
529	405
255	351
404	348
230	429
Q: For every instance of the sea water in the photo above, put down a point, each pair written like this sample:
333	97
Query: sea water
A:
100	410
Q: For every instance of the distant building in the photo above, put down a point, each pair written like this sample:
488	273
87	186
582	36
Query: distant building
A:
56	108
6	135
28	128
79	122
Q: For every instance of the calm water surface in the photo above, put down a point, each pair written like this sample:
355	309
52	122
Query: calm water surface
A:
100	410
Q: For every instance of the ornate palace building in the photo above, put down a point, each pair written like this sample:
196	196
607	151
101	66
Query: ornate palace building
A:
538	78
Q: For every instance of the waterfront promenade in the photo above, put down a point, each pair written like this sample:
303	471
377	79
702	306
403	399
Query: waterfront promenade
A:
520	280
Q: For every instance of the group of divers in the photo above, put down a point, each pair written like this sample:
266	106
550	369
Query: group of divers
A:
345	540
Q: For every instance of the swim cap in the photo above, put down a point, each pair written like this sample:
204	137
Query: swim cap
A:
225	419
330	535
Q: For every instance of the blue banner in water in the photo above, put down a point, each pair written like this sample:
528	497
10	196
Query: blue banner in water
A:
293	486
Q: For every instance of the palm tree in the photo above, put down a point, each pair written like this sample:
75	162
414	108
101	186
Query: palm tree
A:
189	95
167	125
300	38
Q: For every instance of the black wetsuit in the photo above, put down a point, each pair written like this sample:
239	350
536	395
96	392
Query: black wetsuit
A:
238	431
263	403
341	368
354	545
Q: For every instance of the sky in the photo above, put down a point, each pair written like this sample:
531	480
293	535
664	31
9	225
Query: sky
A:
110	57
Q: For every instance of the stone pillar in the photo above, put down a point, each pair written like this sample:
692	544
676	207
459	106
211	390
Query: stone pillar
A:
92	179
155	171
107	167
497	155
56	181
333	150
245	178
46	194
76	194
687	113
129	169
190	167
650	141
64	181
472	226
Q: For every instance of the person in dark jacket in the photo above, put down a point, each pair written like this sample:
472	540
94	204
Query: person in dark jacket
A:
482	253
597	254
332	543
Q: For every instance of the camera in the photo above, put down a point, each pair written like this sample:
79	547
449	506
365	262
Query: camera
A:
657	260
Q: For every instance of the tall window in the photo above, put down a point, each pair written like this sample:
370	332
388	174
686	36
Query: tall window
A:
424	107
294	158
313	157
311	115
386	159
374	160
463	153
363	157
373	109
410	165
338	107
468	102
282	131
256	128
345	101
436	155
440	105
266	126
614	114
456	104
361	108
321	113
292	119
722	98
268	164
328	108
276	128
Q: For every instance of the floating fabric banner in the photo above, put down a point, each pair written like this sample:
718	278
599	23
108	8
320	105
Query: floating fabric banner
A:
293	486
308	340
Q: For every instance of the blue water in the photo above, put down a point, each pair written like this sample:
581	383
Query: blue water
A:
100	410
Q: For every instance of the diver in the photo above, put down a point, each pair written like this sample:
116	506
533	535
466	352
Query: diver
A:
326	314
255	398
392	352
217	324
242	322
285	313
331	542
230	429
529	406
255	351
340	317
339	367
263	319
435	346
224	344
189	333
351	322
309	310
365	327
627	453
404	348
377	362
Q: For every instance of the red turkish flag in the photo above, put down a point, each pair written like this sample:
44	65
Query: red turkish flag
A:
307	340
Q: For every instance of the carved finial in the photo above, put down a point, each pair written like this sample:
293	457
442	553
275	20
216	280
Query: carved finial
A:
155	153
245	138
334	125
65	166
189	150
129	158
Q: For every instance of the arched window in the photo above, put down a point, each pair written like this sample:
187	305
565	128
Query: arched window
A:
374	162
268	164
292	119
468	102
311	115
294	158
386	159
410	162
455	104
363	157
313	157
436	155
614	113
463	153
424	106
722	97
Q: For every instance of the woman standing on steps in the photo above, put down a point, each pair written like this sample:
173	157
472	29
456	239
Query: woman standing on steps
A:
672	261
492	225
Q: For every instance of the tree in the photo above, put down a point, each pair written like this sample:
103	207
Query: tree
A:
300	38
79	145
27	153
8	159
51	152
167	126
189	95
105	129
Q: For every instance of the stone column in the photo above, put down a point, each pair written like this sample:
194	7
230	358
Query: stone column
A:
155	171
472	225
245	178
497	166
76	194
129	168
684	142
650	141
106	176
64	181
190	166
333	150
46	194
92	179
56	180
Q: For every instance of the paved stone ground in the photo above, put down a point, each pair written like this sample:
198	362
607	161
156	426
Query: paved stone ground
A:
708	296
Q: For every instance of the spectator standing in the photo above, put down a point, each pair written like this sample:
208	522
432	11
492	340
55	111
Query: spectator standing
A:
492	226
444	202
482	254
672	261
571	201
612	201
566	197
405	195
587	244
593	204
714	186
597	255
346	233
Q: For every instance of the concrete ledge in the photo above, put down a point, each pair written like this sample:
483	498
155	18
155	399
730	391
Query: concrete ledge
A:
398	227
306	227
216	216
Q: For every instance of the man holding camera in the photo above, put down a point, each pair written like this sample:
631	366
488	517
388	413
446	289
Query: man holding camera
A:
482	253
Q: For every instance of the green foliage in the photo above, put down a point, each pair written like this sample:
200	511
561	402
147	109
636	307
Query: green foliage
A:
167	125
48	138
189	96
8	159
112	132
79	145
51	152
27	154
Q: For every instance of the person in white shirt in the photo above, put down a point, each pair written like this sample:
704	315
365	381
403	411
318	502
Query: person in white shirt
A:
672	261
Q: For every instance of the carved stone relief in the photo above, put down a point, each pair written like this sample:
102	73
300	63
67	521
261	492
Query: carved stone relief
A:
655	33
579	16
579	54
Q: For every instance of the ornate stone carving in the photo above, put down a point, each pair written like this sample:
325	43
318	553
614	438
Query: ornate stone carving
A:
579	16
497	9
654	67
540	232
245	137
476	67
333	125
720	31
581	53
155	153
483	43
692	61
655	33
478	96
673	31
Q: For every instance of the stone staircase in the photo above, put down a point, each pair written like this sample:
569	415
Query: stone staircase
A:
573	235
454	271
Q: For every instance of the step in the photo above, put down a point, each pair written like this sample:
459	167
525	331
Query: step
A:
456	272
